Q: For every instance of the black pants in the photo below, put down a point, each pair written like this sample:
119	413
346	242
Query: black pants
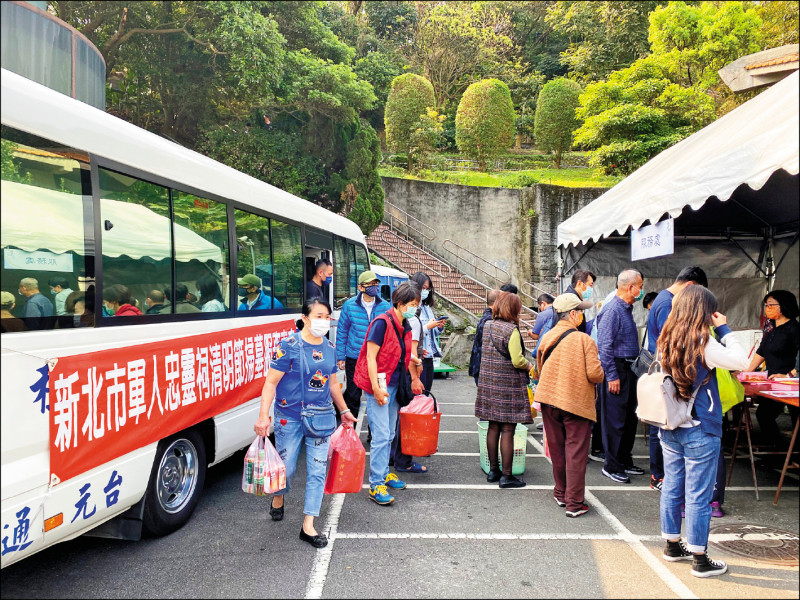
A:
352	393
618	412
597	428
427	373
766	414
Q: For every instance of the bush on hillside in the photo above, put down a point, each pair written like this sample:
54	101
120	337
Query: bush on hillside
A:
485	121
409	99
555	117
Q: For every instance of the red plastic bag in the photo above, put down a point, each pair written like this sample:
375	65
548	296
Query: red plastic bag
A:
419	431
346	461
264	471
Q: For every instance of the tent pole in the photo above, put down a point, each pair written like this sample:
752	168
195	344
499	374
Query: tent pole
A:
771	260
785	252
758	266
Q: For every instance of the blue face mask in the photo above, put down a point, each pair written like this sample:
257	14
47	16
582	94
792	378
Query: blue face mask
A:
329	279
410	312
640	296
373	291
242	293
587	293
425	294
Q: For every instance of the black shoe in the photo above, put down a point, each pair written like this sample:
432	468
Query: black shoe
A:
676	551
634	470
509	481
276	513
318	541
705	567
597	456
494	475
618	477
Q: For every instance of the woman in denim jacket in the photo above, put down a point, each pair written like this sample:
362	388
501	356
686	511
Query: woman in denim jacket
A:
689	353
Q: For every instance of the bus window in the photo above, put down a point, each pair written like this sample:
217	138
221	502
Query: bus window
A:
341	279
137	248
354	273
254	260
45	187
362	262
203	267
287	248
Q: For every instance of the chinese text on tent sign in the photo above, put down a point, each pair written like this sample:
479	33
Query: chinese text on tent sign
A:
653	240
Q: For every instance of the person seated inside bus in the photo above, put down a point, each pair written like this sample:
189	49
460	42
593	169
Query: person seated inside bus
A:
38	310
317	286
8	322
60	289
252	296
118	302
182	304
154	301
76	306
210	296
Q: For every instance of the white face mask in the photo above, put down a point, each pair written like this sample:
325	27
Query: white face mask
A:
319	327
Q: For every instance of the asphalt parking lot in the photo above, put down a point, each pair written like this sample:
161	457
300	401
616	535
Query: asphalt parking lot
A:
449	534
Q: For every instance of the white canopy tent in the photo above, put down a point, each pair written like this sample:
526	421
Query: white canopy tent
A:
732	188
36	218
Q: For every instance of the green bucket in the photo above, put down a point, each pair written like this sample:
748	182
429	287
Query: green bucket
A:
520	445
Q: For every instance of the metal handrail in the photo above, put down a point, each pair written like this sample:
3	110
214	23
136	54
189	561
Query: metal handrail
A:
414	258
529	323
425	231
475	258
535	288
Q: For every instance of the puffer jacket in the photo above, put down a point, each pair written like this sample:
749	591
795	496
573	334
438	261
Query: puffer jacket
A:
351	330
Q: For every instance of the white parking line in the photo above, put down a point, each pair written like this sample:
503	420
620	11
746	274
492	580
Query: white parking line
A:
322	559
478	536
672	581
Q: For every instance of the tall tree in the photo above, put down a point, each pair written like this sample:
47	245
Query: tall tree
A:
604	36
555	116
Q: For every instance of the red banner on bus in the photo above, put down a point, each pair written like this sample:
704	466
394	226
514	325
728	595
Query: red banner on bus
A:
108	403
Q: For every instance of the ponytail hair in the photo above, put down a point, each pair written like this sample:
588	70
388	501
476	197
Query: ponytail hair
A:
310	304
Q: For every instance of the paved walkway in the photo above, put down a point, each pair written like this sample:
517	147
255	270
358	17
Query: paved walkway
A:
451	534
448	535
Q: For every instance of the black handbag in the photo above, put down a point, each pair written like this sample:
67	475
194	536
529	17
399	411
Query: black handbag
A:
404	394
641	364
317	421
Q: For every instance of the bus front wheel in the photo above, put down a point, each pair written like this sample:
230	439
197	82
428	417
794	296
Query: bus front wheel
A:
176	482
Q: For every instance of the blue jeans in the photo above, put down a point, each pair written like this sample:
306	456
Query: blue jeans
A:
382	424
690	471
288	439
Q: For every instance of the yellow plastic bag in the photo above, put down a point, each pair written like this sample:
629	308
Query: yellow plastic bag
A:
731	391
531	400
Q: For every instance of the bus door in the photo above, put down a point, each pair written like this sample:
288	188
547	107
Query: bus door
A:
318	245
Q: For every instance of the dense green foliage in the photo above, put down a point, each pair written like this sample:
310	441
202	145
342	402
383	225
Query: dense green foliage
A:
295	92
555	116
485	121
657	101
409	99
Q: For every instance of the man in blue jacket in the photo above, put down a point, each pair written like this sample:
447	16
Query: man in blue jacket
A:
354	320
252	296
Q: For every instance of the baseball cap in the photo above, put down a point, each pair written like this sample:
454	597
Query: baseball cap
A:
6	298
366	277
249	280
569	301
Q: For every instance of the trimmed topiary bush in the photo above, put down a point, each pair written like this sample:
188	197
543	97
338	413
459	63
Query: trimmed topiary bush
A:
409	99
555	117
485	121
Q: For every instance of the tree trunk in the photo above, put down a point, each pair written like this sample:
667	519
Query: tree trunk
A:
558	159
518	141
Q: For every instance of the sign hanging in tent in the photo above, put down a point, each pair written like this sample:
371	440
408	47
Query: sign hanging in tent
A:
653	240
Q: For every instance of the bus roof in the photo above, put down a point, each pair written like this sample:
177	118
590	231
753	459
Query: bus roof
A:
388	272
41	111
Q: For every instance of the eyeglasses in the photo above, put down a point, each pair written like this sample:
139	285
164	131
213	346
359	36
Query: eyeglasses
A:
765	304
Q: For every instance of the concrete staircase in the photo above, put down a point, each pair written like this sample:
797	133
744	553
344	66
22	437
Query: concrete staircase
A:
448	282
410	258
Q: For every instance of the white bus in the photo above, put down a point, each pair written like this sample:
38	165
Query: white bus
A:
109	421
